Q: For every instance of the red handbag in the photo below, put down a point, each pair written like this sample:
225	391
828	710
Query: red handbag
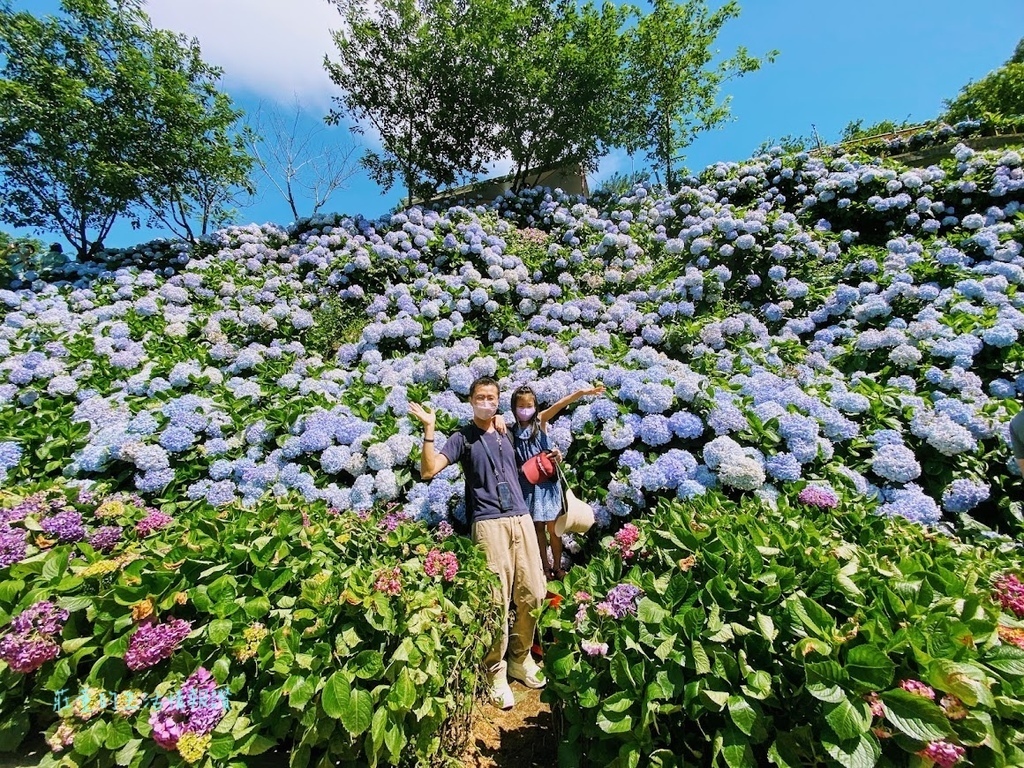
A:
540	468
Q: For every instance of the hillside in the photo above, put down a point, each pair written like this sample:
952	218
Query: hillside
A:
793	332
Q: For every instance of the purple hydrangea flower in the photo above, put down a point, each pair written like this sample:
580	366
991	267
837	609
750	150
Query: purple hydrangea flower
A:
819	496
154	521
105	537
151	643
66	526
620	601
13	546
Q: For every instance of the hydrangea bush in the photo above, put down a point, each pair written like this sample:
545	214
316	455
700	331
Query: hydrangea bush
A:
789	318
817	331
337	636
728	633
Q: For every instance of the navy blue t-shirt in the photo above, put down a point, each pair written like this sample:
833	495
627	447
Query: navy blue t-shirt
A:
466	448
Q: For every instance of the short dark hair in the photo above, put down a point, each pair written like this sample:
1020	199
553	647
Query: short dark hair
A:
483	381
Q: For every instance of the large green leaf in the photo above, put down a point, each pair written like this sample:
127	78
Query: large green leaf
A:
336	695
743	714
862	752
1006	659
649	612
402	695
965	681
916	716
367	664
870	666
219	630
849	719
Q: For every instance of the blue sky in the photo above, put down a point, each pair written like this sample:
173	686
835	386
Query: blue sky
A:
838	61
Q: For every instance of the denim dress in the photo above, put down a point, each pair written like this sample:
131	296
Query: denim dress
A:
544	500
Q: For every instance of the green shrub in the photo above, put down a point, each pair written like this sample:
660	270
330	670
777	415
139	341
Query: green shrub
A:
767	633
326	633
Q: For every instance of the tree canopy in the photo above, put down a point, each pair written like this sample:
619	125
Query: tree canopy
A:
450	85
674	82
107	117
1000	94
404	72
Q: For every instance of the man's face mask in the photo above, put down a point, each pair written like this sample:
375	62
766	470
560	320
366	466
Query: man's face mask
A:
484	411
485	403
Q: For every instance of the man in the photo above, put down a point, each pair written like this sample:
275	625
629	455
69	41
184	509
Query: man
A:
1017	439
501	525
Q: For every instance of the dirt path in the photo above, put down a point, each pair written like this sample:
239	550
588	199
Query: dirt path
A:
521	737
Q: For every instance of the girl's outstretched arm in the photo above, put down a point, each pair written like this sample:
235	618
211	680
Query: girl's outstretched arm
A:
549	413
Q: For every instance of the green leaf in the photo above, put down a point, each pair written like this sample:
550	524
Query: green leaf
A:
815	619
336	695
378	727
394	740
736	749
870	666
848	719
915	716
13	730
356	717
615	722
301	693
784	752
965	681
367	664
127	752
767	627
257	607
119	733
90	740
649	612
742	714
403	692
1006	659
824	681
862	752
700	659
219	630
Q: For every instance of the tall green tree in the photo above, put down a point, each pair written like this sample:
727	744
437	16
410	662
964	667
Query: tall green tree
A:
404	71
674	80
556	80
106	117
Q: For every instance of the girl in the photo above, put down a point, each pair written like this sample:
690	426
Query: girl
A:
544	500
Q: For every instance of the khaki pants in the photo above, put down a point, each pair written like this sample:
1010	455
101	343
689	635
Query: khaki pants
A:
510	544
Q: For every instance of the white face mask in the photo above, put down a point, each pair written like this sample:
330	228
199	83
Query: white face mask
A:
484	411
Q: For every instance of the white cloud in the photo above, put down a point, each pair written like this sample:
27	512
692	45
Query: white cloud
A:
273	49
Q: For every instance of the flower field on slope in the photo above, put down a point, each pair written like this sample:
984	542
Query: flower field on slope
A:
787	326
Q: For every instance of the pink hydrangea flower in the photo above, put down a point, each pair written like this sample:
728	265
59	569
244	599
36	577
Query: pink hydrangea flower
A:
1010	593
593	648
817	496
943	753
440	563
624	540
918	688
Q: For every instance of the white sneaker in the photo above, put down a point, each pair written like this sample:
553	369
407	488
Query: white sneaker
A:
500	695
527	671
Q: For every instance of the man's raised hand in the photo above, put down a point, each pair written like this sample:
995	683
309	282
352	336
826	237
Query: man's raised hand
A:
424	415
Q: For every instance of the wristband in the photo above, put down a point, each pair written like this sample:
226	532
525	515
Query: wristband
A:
428	439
